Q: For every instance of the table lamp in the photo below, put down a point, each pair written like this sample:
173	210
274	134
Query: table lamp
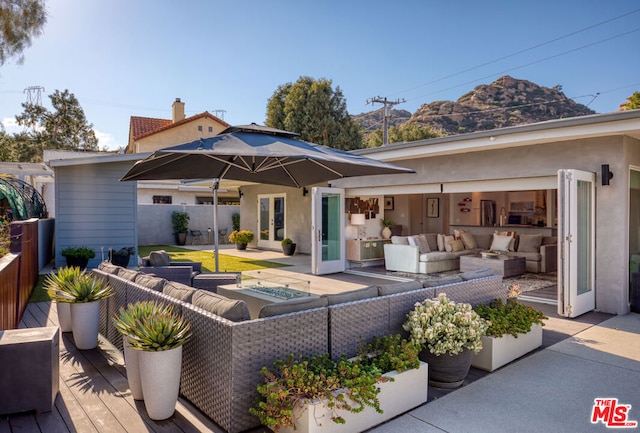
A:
358	220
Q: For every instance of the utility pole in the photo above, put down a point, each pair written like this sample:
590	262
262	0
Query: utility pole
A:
219	113
386	113
34	95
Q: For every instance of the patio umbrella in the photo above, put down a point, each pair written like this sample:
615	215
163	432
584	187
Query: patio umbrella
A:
255	153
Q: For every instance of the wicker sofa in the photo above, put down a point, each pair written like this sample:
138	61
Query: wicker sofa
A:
222	361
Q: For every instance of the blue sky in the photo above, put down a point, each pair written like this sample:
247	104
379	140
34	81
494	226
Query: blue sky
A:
133	58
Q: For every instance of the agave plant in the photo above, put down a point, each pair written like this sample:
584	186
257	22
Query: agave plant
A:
84	288
54	283
152	326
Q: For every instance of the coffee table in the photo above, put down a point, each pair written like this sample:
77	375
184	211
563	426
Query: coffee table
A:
502	265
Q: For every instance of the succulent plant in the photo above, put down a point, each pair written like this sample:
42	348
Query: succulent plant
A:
55	282
84	288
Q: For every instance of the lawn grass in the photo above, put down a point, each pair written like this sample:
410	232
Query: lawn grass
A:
226	263
39	294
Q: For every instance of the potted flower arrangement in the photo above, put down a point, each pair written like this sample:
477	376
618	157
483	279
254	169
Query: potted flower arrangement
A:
241	238
386	227
155	334
288	247
84	292
180	223
78	256
305	394
121	257
449	334
515	330
55	283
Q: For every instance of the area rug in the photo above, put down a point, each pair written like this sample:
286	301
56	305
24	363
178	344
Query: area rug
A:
527	281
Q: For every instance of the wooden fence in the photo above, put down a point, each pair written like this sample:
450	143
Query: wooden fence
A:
18	272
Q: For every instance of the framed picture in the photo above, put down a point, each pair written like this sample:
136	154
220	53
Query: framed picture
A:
433	207
388	203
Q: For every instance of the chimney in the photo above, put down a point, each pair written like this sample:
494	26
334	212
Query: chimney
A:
177	111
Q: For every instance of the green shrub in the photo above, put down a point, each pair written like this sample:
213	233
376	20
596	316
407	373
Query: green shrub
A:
78	253
511	318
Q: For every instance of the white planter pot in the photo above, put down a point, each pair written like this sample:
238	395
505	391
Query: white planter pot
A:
132	364
497	352
64	316
160	378
408	390
85	319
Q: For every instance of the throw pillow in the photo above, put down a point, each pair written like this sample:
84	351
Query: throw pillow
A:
423	244
458	233
447	243
128	274
432	240
159	258
468	240
457	245
401	240
440	240
413	240
500	243
529	243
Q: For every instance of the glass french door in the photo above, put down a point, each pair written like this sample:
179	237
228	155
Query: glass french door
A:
327	224
271	220
576	242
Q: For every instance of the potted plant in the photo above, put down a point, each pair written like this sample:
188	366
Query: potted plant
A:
121	257
158	334
84	293
125	322
386	227
449	334
288	247
53	284
515	330
180	222
78	256
306	394
241	238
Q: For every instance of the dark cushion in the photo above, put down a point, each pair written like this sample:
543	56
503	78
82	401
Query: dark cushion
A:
353	295
478	273
529	243
231	309
159	258
441	281
178	291
392	289
109	268
432	240
128	274
150	281
292	306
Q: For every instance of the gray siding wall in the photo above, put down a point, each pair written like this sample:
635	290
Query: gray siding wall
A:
94	209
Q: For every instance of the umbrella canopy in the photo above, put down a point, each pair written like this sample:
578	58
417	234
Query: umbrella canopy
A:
258	154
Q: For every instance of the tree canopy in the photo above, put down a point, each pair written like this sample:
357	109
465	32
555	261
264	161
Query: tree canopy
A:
65	127
410	131
633	102
20	22
315	111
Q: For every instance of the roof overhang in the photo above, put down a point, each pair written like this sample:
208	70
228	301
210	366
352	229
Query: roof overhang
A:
98	159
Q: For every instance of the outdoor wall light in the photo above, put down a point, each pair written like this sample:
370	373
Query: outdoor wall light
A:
305	191
240	193
606	175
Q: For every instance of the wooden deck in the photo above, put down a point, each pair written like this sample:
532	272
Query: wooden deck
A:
94	394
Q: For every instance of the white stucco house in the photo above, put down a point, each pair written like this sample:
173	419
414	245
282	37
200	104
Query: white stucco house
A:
514	169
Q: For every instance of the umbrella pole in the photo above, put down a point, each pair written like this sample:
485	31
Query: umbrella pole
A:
214	186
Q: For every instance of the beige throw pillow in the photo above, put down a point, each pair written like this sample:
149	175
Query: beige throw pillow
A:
440	239
447	243
468	240
457	245
500	243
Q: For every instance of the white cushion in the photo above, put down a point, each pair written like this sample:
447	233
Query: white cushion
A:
400	240
447	243
500	243
440	239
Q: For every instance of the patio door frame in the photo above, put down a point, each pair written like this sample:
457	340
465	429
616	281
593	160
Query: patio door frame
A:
576	242
327	230
273	223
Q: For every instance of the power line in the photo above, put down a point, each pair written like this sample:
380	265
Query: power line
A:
387	105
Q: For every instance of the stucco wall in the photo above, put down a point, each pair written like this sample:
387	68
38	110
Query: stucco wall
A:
180	134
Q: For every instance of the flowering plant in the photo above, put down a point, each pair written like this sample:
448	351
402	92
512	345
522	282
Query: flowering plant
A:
444	326
513	292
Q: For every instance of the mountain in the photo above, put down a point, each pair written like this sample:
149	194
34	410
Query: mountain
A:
505	102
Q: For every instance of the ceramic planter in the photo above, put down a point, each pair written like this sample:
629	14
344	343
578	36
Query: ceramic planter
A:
85	318
499	351
64	316
408	390
447	371
160	379
132	364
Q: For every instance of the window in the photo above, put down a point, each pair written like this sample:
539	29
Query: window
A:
200	128
211	129
161	199
204	200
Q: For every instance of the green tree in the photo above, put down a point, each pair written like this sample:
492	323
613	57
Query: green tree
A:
410	131
64	128
20	21
633	102
315	111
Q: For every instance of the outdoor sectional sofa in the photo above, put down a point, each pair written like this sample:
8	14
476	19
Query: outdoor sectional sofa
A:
403	257
222	361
